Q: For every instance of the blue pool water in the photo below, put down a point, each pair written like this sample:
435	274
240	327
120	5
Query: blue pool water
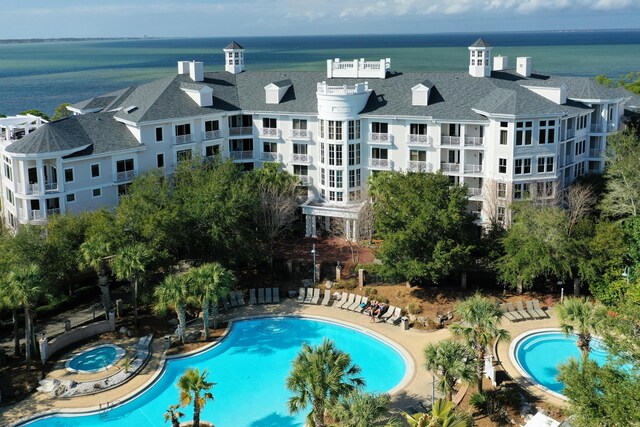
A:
539	354
93	360
249	368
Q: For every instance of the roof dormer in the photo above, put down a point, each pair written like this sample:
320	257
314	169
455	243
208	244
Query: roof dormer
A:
201	94
276	90
420	93
553	94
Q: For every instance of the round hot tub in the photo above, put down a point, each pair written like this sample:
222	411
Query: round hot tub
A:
95	359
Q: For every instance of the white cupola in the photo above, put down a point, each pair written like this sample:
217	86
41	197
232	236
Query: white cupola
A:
234	58
480	59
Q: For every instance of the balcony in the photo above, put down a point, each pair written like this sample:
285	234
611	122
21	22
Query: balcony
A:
597	127
270	133
450	167
54	211
305	180
611	127
271	157
124	176
301	158
356	89
211	134
50	187
379	138
473	141
34	189
383	164
419	166
449	140
241	131
595	152
570	133
36	216
472	168
422	140
299	134
185	139
241	155
474	191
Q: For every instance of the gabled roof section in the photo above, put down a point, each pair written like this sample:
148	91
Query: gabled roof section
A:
480	43
282	83
101	103
234	45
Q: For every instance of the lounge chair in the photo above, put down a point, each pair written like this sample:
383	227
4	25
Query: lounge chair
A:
232	299
349	301
307	299
276	295
252	297
355	303
522	311
225	302
388	314
342	300
511	309
532	311
267	296
397	315
301	294
539	310
362	305
260	295
316	296
327	297
240	298
506	314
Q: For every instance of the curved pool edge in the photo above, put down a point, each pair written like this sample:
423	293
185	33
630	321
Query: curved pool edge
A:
516	363
164	358
119	355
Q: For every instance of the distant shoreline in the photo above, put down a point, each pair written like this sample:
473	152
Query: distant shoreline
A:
69	39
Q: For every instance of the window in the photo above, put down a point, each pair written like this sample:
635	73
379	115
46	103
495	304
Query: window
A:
211	150
545	164
301	170
502	165
504	125
501	213
321	125
332	178
182	130
502	190
454	130
269	147
504	136
418	155
335	130
418	129
579	170
300	149
354	129
159	134
580	147
582	122
95	170
8	173
520	191
547	131
123	189
160	160
544	189
71	198
379	153
377	127
355	179
322	174
211	126
126	165
97	192
183	155
9	195
268	123
300	124
68	175
526	169
354	154
241	144
518	167
523	133
339	179
322	153
241	121
335	155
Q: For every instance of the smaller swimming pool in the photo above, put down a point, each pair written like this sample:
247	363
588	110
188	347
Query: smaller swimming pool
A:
95	359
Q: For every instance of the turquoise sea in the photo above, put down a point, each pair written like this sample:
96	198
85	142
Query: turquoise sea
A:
44	75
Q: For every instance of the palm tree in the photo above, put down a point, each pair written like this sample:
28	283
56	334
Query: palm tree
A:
130	264
94	255
360	409
194	390
211	282
7	302
26	286
479	328
442	415
172	294
319	377
580	317
450	360
174	415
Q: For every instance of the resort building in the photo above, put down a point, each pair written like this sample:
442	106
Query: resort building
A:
506	133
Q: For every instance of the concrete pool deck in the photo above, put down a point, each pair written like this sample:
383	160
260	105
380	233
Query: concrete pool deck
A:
417	389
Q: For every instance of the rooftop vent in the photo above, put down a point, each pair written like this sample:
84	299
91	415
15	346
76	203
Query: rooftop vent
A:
500	63
523	66
196	71
130	109
183	67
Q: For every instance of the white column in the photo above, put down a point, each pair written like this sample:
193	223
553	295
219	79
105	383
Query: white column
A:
40	173
347	229
354	229
313	226
307	231
60	176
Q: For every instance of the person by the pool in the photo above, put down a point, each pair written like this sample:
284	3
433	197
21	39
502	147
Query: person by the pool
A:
373	305
379	311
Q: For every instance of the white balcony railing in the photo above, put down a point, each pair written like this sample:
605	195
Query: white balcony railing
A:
211	134
450	167
449	140
595	152
419	139
241	155
472	168
184	139
32	188
473	141
611	127
241	131
271	157
597	127
50	186
380	163
305	180
419	166
300	134
54	211
124	176
474	191
36	216
270	133
358	88
379	138
301	158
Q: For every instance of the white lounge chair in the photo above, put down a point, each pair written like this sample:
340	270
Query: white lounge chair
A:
524	313
327	297
252	297
342	300
363	304
260	295
316	296
276	295
532	311
349	301
232	299
355	303
301	293
225	302
511	309
240	298
388	314
307	299
506	314
267	295
397	315
539	310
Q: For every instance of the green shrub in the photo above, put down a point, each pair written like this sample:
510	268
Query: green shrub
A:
479	401
414	308
370	292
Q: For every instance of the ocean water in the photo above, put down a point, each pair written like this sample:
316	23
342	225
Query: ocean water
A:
44	75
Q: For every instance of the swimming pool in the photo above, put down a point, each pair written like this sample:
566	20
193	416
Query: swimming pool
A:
250	367
537	354
95	359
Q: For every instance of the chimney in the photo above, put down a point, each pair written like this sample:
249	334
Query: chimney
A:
196	71
183	67
523	66
500	63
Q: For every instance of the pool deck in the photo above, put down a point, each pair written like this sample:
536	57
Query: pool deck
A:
417	389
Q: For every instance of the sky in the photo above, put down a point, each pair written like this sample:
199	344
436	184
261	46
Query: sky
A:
25	19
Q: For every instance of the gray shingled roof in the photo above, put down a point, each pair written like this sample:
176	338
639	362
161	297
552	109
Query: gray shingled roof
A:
283	83
103	102
234	45
480	43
